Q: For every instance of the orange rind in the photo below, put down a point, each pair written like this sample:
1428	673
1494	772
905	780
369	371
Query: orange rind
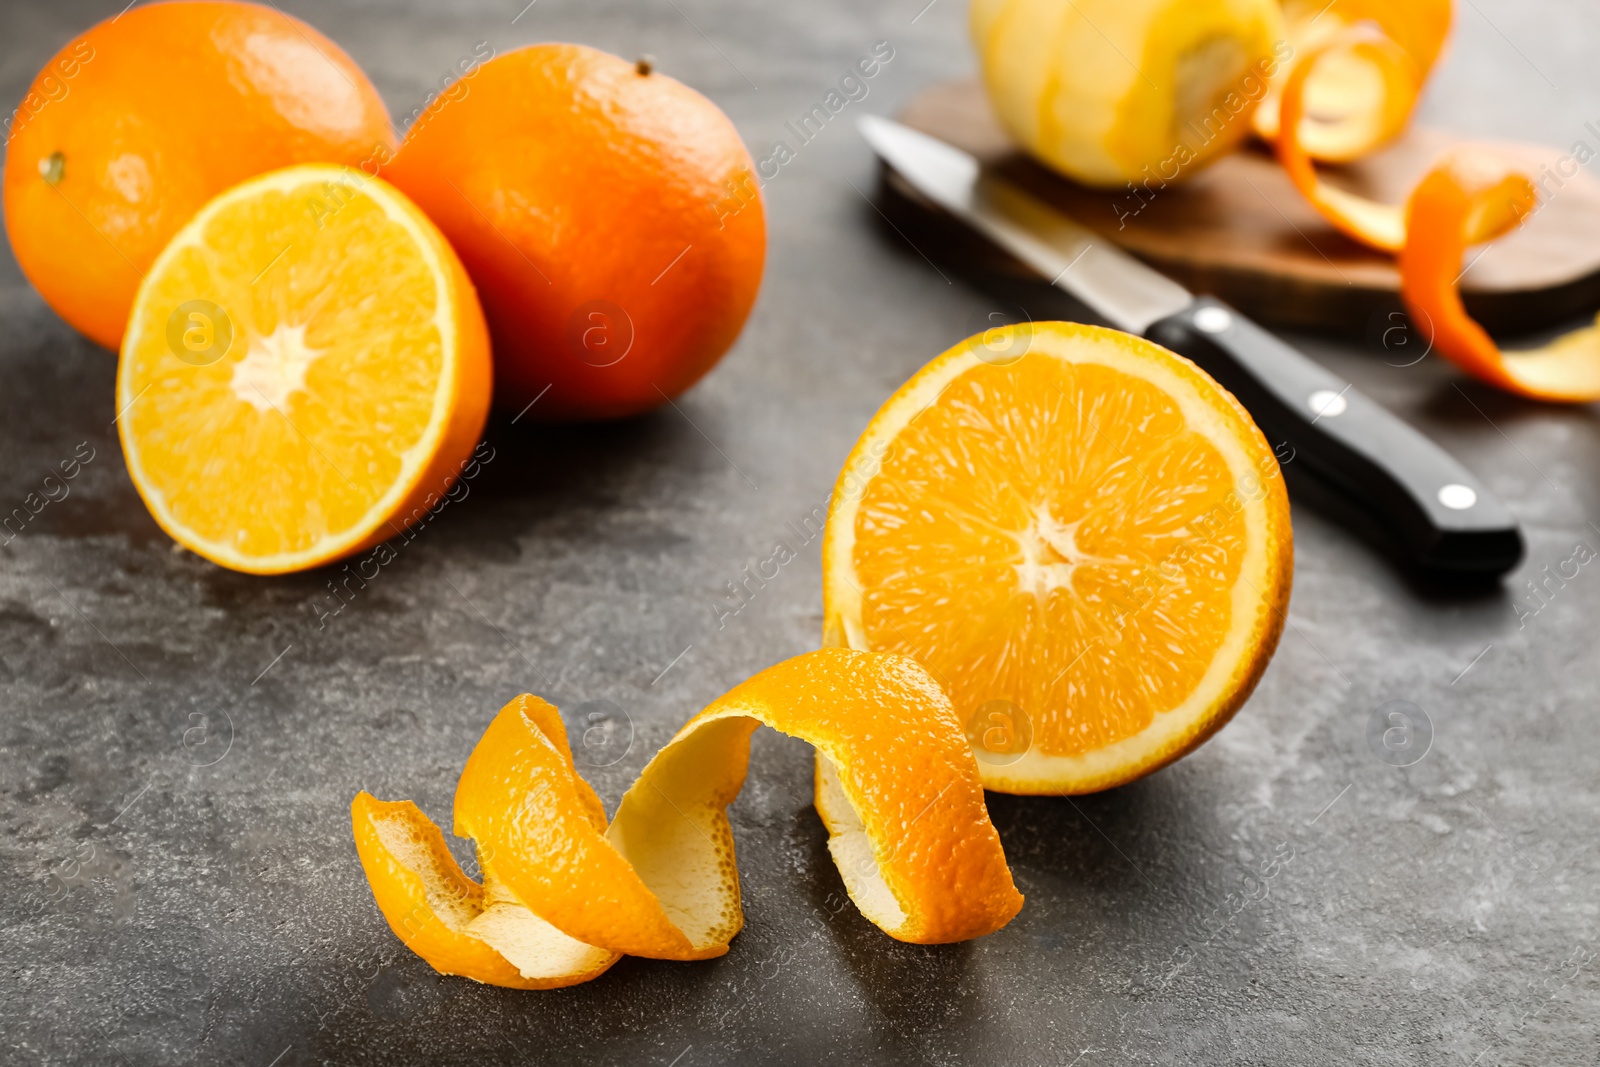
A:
1374	223
1301	140
565	894
1468	197
1465	194
1359	87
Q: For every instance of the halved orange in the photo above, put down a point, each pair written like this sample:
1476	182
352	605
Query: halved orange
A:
305	371
1081	535
565	893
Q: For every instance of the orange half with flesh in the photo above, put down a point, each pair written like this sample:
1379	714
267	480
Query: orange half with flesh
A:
305	371
1081	535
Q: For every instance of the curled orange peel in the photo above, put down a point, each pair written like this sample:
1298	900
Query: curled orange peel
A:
1362	95
1466	195
1421	27
565	894
1359	130
1366	220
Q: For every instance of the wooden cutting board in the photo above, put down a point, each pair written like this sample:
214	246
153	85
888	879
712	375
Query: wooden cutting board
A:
1240	231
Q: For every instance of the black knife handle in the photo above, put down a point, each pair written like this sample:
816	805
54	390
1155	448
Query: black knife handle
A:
1441	516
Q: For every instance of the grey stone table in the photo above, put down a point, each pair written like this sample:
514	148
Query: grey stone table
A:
179	744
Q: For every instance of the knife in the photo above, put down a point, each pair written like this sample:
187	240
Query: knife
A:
1441	517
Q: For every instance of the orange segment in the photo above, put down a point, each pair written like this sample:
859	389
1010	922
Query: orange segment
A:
305	366
1089	546
565	893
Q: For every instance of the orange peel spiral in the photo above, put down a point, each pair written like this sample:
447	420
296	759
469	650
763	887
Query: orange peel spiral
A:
1301	138
1362	95
1466	195
565	894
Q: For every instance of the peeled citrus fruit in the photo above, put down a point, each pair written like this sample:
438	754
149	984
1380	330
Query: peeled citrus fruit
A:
305	372
610	217
565	894
1081	535
1114	91
135	124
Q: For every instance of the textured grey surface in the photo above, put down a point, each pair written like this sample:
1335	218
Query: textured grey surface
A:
154	909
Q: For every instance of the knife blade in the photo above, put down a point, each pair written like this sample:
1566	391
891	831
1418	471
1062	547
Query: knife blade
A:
1443	519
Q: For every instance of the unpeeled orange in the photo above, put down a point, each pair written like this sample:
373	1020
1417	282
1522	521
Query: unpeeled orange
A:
138	122
610	217
305	372
1081	535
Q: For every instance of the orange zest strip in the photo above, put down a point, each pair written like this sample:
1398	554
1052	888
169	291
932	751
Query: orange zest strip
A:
1418	26
565	894
1469	197
432	906
1465	196
1371	222
1302	137
1354	86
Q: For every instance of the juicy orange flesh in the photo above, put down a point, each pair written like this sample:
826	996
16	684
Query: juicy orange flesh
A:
1053	535
249	458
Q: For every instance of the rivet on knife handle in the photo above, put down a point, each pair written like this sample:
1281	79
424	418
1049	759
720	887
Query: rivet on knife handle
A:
1434	508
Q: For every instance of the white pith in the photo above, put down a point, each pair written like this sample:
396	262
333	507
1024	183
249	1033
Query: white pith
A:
274	368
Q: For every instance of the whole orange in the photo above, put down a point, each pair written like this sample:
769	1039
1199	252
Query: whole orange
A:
609	216
134	125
